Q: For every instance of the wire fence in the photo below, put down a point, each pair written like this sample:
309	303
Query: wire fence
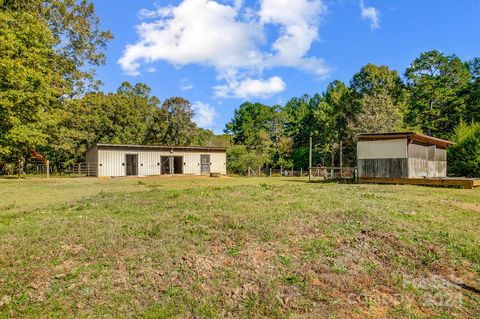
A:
39	168
317	173
43	168
30	168
332	173
275	172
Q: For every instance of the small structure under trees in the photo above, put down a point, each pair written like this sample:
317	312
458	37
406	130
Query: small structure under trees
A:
405	158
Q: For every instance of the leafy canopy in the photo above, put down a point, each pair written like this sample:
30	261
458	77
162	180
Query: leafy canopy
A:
30	84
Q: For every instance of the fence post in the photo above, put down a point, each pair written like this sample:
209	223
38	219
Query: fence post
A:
270	172
310	160
341	158
292	171
259	171
249	171
301	171
47	162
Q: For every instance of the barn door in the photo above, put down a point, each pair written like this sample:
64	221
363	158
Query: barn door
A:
132	164
166	166
205	164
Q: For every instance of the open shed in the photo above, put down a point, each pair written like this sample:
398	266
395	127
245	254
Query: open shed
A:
401	155
115	160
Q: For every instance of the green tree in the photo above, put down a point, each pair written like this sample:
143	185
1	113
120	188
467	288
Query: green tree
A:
180	128
300	119
158	127
248	120
205	137
77	37
253	126
240	158
379	96
281	144
334	113
122	117
473	98
464	156
437	84
30	84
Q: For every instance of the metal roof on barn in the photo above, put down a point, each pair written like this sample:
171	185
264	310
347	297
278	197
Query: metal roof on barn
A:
157	148
411	136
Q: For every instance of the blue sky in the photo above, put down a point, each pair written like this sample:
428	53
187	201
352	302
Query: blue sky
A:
218	54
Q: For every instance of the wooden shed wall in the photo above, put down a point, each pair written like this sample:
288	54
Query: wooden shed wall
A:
382	159
384	168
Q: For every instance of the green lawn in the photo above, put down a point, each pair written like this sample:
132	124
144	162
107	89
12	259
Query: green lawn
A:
237	247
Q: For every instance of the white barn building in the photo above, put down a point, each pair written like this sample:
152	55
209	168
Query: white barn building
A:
115	160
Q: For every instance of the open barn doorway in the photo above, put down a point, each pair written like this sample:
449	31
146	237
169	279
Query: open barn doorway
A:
132	164
171	165
178	165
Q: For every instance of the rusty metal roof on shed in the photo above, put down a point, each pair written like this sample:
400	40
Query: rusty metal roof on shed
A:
157	148
411	136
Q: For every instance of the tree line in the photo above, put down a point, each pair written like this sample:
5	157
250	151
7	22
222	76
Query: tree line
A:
51	102
438	95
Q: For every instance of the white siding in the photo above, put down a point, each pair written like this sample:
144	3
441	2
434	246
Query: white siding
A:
426	161
192	162
382	149
417	167
219	163
110	162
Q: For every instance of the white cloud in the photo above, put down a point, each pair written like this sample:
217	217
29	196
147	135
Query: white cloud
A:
372	14
186	84
298	22
250	88
196	31
204	114
232	39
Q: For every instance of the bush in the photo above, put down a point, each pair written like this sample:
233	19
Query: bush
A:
239	158
464	157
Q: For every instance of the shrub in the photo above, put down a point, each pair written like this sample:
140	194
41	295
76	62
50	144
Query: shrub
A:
464	157
239	158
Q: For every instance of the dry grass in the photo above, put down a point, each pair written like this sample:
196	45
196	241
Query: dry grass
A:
234	247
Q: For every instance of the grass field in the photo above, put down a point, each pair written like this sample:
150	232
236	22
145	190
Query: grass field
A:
237	247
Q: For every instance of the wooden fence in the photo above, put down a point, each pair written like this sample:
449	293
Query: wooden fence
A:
86	169
326	173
